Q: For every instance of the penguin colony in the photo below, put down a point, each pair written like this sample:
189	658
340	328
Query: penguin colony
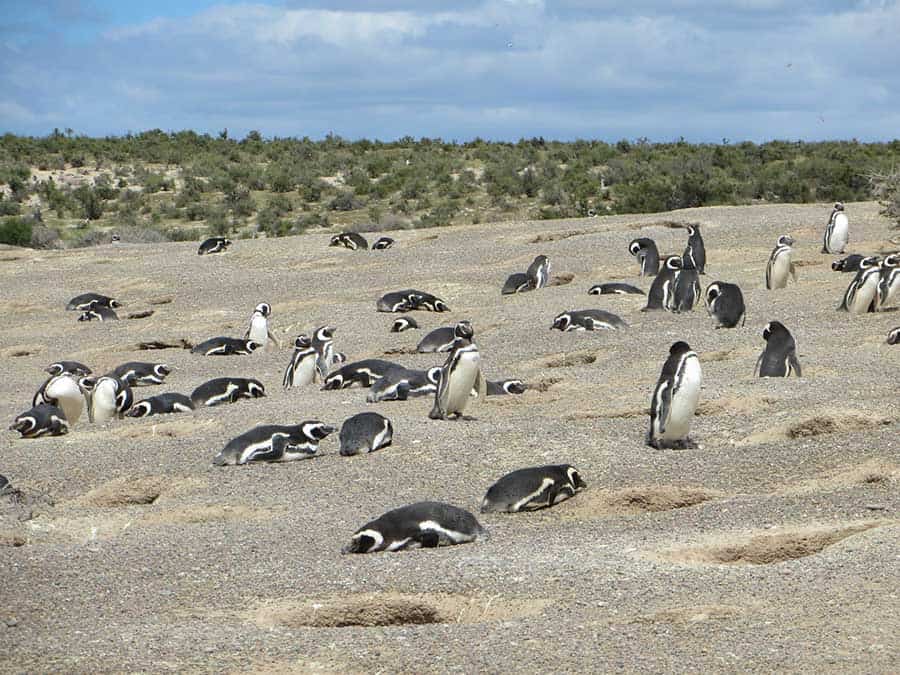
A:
73	389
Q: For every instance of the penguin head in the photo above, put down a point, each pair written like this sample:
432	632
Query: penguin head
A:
255	388
635	247
88	315
596	289
250	345
893	337
713	291
839	206
142	409
785	240
839	265
575	478
514	386
679	347
317	430
333	381
339	357
868	262
891	260
692	230
115	304
440	306
87	384
363	541
562	322
325	333
433	374
336	240
463	329
55	369
674	262
264	309
773	328
161	370
302	341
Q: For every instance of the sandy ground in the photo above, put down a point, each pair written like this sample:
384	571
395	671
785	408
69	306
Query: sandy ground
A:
775	545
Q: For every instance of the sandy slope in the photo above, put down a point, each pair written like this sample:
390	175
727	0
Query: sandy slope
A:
775	545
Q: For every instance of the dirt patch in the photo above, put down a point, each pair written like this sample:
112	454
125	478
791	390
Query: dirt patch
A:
873	473
127	492
635	500
12	538
614	414
181	343
556	236
687	615
208	513
174	429
161	300
21	350
561	279
734	404
570	359
140	315
394	609
766	549
544	385
841	421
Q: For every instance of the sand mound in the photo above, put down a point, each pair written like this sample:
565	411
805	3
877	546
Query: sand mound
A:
635	500
570	359
561	279
127	492
840	421
874	472
695	614
734	404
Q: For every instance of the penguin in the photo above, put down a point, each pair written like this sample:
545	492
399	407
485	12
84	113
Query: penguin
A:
423	524
213	245
538	272
107	397
460	376
274	443
401	384
138	373
382	243
889	284
687	289
861	295
5	486
438	340
408	300
893	337
88	300
662	290
225	346
98	313
837	232
695	253
323	343
71	367
848	264
43	419
258	330
403	323
725	304
675	399
161	404
301	370
780	264
647	255
587	319
226	390
365	432
518	282
65	391
502	387
363	373
352	240
779	358
536	487
614	288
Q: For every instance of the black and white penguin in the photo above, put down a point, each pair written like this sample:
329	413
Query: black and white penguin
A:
861	295
213	245
438	340
408	300
501	387
424	524
139	373
725	304
88	300
687	289
98	313
675	399
837	232
71	367
893	337
226	390
662	290
363	373
460	376
538	272
647	255
274	443
382	243
352	240
43	419
65	391
848	264
161	404
301	370
225	346
889	284
258	331
517	282
587	319
781	264
108	397
403	323
400	384
779	358
536	487
365	432
614	288
695	253
323	343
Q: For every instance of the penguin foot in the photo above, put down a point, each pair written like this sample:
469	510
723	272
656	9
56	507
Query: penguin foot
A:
435	414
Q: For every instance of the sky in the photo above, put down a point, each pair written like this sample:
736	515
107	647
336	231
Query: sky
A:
704	70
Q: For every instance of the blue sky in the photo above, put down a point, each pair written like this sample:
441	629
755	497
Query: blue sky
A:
498	69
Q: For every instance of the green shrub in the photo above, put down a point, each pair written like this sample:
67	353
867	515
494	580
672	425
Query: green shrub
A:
16	232
8	207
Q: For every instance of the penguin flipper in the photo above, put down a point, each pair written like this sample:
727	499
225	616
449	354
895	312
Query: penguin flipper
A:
794	272
758	361
480	386
795	364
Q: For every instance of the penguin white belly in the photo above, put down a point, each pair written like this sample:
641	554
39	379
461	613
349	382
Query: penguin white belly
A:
103	402
864	296
259	330
305	372
684	402
462	380
840	234
781	268
69	396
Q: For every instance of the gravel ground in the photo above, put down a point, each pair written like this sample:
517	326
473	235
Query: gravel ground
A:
774	545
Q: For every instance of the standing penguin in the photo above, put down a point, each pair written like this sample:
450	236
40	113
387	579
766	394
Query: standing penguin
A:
647	255
365	432
861	295
780	264
695	253
302	368
258	331
779	358
538	272
323	343
675	398
889	285
837	232
108	397
662	290
725	303
687	289
460	375
65	391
